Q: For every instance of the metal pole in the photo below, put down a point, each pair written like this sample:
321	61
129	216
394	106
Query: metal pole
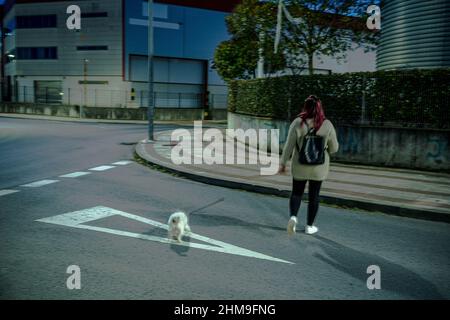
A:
260	70
151	105
85	61
363	102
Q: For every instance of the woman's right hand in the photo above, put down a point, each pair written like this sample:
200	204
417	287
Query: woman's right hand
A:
282	169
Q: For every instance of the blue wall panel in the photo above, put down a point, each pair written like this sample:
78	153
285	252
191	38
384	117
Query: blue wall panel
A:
188	33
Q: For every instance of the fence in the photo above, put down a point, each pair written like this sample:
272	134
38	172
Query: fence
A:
408	99
116	98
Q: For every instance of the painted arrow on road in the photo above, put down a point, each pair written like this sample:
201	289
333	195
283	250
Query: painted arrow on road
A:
77	219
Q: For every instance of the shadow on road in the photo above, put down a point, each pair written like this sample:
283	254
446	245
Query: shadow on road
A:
394	277
218	220
182	250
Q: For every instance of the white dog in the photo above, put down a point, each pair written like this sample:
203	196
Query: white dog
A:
178	225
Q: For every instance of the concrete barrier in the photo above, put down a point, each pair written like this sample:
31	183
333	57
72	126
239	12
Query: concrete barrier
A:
161	114
219	114
411	148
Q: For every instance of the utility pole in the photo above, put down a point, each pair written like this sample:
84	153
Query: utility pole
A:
85	71
151	106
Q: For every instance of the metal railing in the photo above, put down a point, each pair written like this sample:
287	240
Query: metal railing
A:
418	101
409	101
115	98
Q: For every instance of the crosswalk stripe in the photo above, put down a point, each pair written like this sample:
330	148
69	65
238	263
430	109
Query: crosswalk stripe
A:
75	174
5	192
39	183
102	168
122	163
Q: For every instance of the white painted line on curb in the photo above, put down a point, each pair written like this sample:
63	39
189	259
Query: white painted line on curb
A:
122	163
40	183
4	192
75	174
77	218
102	168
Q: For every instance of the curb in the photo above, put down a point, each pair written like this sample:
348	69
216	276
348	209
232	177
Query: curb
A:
342	202
85	120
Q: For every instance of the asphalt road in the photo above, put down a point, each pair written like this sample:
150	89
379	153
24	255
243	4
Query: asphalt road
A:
413	255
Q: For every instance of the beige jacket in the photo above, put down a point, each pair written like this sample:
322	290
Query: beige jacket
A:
295	135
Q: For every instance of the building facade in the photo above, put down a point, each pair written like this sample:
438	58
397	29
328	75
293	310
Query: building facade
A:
44	61
104	64
185	38
414	34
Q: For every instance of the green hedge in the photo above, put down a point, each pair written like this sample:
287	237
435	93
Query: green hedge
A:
416	98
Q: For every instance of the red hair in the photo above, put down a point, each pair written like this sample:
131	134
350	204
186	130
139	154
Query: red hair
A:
312	109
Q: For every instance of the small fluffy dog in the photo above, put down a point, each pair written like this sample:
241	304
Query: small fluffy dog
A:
178	225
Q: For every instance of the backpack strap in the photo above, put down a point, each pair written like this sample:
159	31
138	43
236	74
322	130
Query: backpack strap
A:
309	130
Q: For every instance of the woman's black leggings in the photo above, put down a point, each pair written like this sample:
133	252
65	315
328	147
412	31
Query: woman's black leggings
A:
298	188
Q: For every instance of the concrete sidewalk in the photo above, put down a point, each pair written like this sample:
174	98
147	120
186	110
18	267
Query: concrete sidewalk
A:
401	192
84	120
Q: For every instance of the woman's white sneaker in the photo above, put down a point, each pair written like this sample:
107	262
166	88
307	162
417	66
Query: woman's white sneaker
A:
291	225
311	229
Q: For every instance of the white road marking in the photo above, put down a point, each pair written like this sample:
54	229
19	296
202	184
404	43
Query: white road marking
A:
75	174
122	163
40	183
77	218
4	192
102	168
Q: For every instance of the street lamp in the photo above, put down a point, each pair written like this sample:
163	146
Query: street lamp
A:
151	107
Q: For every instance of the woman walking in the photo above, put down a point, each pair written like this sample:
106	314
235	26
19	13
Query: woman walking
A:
311	140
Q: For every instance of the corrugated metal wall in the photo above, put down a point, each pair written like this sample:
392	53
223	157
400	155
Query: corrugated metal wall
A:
414	34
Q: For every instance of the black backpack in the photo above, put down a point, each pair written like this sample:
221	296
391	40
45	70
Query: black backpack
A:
312	151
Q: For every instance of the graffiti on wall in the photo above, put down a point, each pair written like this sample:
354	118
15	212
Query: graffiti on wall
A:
348	141
436	148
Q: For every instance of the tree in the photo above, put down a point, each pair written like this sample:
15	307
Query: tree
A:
327	27
236	59
252	27
321	28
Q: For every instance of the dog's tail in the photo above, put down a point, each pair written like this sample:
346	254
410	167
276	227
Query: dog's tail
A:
207	206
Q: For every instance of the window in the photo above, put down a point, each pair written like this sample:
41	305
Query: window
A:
44	21
34	53
48	91
168	70
94	14
92	48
